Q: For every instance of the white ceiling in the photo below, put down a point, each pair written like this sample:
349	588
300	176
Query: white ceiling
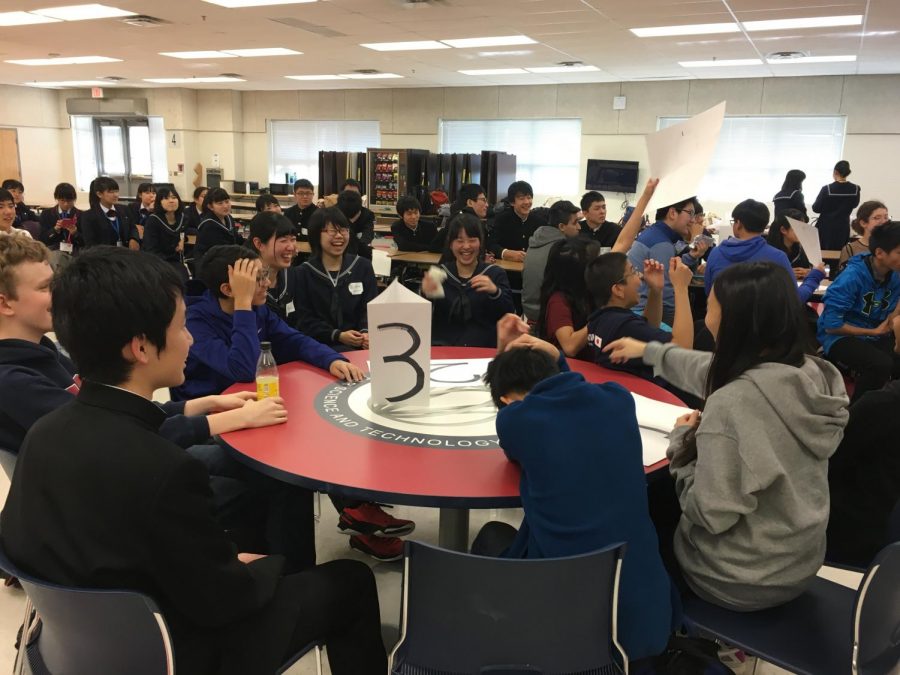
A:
592	31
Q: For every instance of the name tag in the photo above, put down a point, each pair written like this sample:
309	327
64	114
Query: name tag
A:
66	247
119	243
304	231
356	288
289	308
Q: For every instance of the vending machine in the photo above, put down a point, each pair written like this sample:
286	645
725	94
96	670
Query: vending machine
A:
392	174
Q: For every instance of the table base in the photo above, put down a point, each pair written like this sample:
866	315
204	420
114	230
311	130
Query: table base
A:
453	529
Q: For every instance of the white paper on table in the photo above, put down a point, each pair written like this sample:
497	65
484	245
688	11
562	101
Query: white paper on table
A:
381	262
680	155
400	347
809	240
656	420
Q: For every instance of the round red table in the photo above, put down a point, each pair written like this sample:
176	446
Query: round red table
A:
313	452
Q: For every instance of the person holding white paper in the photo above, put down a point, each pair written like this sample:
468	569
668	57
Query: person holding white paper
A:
783	237
751	472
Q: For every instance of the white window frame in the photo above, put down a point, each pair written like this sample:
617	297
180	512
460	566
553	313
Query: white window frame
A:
311	136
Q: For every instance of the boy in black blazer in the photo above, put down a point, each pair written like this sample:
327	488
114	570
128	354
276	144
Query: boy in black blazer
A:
106	222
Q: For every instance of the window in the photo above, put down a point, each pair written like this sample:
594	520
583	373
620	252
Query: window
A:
294	146
548	151
125	148
754	153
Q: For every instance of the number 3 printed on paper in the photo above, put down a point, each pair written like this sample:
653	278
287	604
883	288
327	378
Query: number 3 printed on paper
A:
406	357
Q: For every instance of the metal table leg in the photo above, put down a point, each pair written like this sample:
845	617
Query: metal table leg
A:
453	529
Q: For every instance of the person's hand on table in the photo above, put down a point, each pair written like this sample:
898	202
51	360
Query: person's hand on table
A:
264	413
654	275
509	327
513	256
687	451
483	284
679	274
625	349
223	402
250	557
365	344
344	370
242	279
531	342
352	338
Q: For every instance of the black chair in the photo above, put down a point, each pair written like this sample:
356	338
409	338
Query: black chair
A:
465	614
829	629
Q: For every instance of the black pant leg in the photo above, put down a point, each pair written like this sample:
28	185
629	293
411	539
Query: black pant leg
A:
871	361
341	503
493	539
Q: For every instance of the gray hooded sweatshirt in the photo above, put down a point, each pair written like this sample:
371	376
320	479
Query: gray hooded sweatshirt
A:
535	262
755	500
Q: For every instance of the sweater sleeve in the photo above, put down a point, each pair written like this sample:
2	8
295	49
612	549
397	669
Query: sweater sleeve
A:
684	368
184	431
810	284
308	321
26	396
237	360
291	345
503	300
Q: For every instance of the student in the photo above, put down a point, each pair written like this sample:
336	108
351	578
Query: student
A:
272	237
855	326
470	198
217	227
8	216
300	213
790	196
334	286
23	213
141	208
834	205
361	220
59	226
869	215
474	295
79	515
194	213
514	226
565	302
164	230
107	223
750	218
268	203
580	491
751	472
410	233
782	237
595	225
563	223
661	242
351	184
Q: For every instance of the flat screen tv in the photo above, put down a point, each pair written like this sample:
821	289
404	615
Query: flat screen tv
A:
608	175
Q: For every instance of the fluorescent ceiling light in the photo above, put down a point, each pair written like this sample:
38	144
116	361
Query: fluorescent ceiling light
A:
193	80
370	76
315	77
71	83
501	41
198	55
9	19
263	51
721	62
234	4
404	46
495	71
520	52
564	69
815	59
63	61
812	22
82	12
691	29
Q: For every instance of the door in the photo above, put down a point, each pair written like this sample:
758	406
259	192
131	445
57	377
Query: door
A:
123	151
9	155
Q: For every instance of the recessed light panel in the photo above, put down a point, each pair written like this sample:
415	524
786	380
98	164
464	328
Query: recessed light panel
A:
691	29
812	22
9	19
404	46
313	78
63	61
500	41
198	55
82	12
193	80
263	51
370	76
564	69
495	71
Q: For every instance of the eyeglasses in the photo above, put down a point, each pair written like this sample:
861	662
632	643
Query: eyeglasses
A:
482	198
305	193
632	273
690	212
263	277
333	231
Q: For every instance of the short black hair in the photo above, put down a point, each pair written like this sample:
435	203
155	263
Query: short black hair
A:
753	215
100	184
65	191
352	182
842	168
199	190
215	196
589	198
6	196
602	273
103	282
471	225
560	212
302	183
518	371
662	212
466	192
349	202
268	224
408	203
264	200
164	193
317	222
13	184
698	207
145	187
519	187
214	266
885	236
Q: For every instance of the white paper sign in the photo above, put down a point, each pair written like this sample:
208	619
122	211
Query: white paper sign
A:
656	421
680	155
381	261
400	347
809	240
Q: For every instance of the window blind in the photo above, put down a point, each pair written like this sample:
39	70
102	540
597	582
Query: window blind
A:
294	145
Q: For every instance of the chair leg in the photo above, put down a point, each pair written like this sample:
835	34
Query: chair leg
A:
319	659
19	663
317	511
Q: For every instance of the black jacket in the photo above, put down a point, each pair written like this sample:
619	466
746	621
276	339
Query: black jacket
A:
325	306
419	240
97	228
212	232
788	199
834	205
191	219
281	298
139	214
363	228
511	232
23	215
162	239
605	235
118	506
50	236
300	218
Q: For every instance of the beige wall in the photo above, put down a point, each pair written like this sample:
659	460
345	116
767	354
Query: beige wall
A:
233	124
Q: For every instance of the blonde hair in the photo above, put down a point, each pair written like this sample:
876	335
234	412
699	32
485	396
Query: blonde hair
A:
15	251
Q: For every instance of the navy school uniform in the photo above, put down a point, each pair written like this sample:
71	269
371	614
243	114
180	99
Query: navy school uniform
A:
138	213
331	302
300	218
281	298
23	215
111	227
162	239
834	205
213	232
511	232
50	236
786	200
605	235
419	239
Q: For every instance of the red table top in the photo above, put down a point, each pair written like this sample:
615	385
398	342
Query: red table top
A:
310	451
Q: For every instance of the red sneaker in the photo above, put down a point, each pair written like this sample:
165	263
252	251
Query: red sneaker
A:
384	549
370	519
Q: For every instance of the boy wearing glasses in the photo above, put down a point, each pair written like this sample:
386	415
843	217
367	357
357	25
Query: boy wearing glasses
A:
300	213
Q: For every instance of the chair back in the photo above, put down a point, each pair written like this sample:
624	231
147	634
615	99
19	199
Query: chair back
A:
876	623
8	462
469	614
88	631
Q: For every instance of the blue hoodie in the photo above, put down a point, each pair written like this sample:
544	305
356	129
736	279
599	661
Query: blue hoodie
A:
756	249
226	346
661	243
858	299
582	491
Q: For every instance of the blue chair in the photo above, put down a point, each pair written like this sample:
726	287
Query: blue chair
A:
828	629
465	614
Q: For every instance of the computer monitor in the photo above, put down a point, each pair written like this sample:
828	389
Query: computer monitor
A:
279	189
253	187
611	176
240	187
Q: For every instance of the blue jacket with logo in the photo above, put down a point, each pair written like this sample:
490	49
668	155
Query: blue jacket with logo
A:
858	299
661	243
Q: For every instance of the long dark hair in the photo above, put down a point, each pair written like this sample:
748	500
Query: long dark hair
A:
100	184
564	273
165	193
776	236
793	180
463	222
214	196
